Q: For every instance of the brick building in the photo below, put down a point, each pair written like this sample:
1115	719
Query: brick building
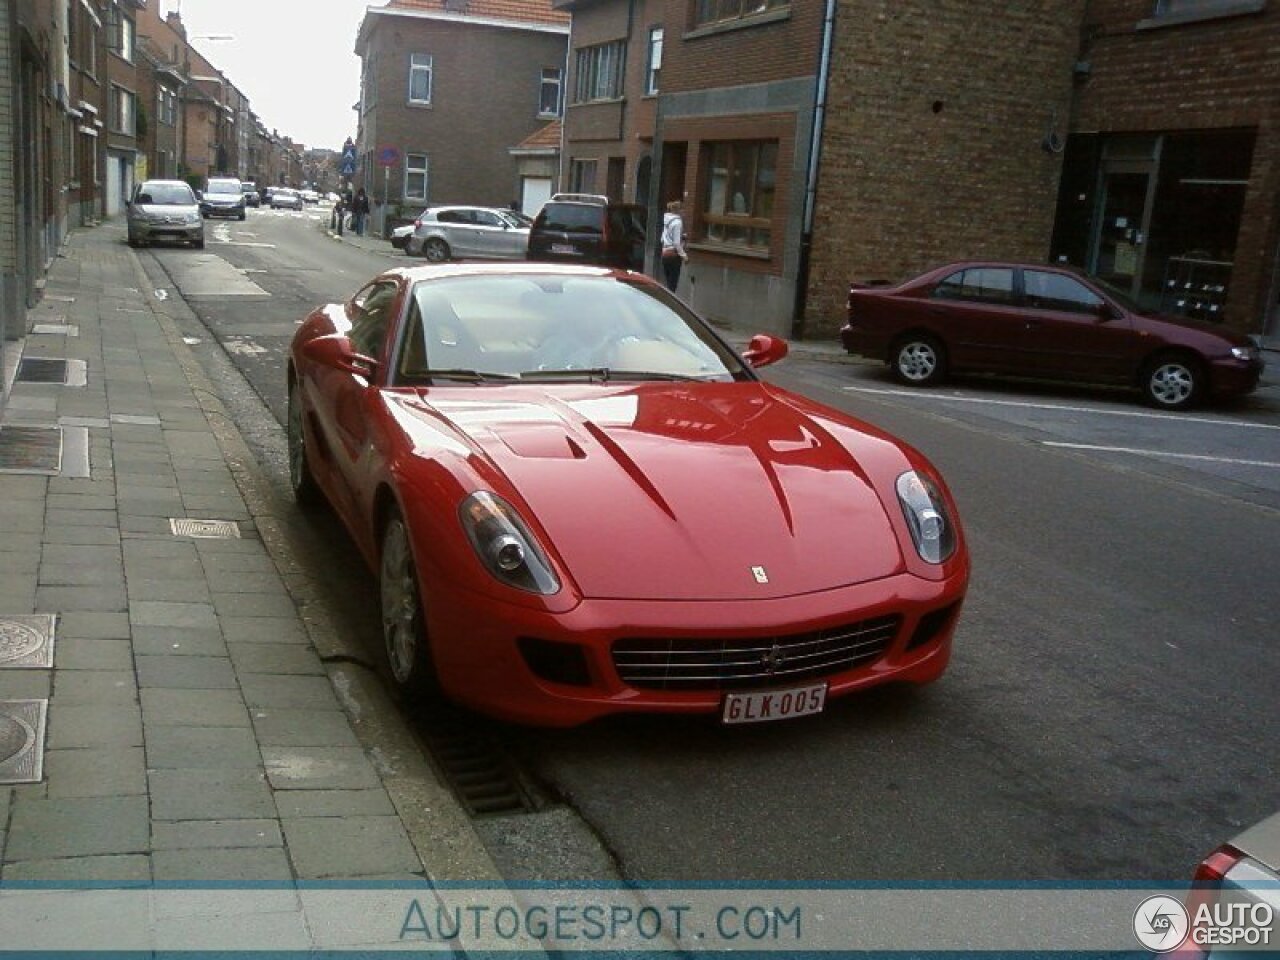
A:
453	85
1172	183
122	104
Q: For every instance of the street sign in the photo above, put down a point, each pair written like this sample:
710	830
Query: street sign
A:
388	156
349	168
349	152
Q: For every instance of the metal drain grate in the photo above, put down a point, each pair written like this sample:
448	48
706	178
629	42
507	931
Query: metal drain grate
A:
27	642
204	529
31	450
22	725
56	329
41	370
481	775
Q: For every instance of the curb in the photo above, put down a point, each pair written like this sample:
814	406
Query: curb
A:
438	827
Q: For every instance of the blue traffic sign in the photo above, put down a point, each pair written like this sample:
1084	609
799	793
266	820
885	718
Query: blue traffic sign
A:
388	156
349	168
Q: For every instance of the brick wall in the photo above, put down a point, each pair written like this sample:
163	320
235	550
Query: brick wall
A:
9	277
485	88
933	141
731	56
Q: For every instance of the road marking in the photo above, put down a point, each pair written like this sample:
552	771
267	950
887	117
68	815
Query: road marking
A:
1068	408
243	346
1161	453
162	294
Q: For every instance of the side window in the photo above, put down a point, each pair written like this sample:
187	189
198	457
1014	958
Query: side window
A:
1053	291
485	218
450	216
978	285
372	310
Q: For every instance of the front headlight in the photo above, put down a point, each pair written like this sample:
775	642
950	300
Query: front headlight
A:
504	544
193	218
932	530
1245	353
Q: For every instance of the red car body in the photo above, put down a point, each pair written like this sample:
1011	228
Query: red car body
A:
655	504
1047	322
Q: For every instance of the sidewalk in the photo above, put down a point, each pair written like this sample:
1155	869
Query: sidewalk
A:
193	731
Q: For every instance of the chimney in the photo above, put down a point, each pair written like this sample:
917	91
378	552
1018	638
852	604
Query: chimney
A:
174	19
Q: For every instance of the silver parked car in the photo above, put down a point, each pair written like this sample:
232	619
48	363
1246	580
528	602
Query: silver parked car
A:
456	232
286	199
165	208
1235	902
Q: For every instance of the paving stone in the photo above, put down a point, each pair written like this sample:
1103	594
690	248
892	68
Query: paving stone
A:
192	673
210	795
143	550
172	567
80	501
174	591
80	575
334	803
263	630
156	613
278	604
303	728
17	520
26	488
95	686
264	934
349	847
282	692
319	768
16	600
193	708
77	726
83	599
202	748
93	626
242	864
278	658
128	867
154	509
80	518
52	829
96	772
81	536
178	642
108	556
135	525
24	684
215	834
13	564
76	653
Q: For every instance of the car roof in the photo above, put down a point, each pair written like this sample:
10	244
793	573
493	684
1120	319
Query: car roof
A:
529	269
164	183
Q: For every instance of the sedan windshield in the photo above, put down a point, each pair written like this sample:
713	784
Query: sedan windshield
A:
167	194
550	329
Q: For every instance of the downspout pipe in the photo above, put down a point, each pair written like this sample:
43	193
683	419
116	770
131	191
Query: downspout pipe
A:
811	173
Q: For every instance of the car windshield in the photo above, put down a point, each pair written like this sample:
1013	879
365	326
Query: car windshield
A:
167	194
224	186
549	327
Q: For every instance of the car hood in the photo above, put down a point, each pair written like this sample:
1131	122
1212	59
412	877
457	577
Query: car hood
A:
1173	321
686	492
153	210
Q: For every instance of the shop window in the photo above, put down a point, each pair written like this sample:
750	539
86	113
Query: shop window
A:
741	179
707	12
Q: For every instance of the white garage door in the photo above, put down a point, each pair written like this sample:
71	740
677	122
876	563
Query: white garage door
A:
534	192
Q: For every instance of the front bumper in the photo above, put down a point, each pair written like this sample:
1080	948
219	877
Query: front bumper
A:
220	210
1231	377
475	643
143	231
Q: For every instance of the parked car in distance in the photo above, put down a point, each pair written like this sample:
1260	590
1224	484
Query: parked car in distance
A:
283	198
1032	320
586	228
461	232
251	197
400	237
267	193
497	406
1239	879
223	197
309	196
165	209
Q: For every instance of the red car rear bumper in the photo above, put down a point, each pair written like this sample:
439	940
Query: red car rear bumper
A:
476	644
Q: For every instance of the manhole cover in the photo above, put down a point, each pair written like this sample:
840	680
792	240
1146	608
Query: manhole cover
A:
57	329
41	370
205	529
22	740
30	449
26	642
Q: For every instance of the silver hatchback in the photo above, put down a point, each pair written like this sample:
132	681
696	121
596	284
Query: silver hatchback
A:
455	232
165	209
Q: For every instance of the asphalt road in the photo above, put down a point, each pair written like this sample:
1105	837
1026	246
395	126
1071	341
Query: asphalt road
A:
1110	711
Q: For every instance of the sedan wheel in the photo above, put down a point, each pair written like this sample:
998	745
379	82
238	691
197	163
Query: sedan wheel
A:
301	480
1172	383
437	250
918	360
403	632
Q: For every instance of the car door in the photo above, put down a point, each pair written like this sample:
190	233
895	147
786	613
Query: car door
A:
455	226
1073	331
977	313
491	235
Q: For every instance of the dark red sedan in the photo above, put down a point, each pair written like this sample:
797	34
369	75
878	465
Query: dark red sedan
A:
581	501
1028	320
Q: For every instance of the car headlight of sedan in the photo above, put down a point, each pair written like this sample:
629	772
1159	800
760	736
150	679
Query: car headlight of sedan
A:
504	544
932	529
1245	353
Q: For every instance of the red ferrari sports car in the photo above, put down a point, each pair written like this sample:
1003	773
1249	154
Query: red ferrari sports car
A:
580	501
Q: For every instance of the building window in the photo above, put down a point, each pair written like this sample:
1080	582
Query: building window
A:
549	95
654	67
123	114
415	176
600	72
90	54
1178	8
722	11
167	107
420	78
368	84
737	206
582	176
121	33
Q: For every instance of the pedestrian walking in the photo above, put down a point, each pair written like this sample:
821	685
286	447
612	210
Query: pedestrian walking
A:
359	210
673	252
339	211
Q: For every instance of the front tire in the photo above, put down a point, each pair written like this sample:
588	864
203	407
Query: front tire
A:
436	250
404	634
918	360
1172	382
306	492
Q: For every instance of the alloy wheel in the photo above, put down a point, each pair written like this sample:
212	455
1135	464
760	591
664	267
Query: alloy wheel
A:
1171	384
400	608
917	361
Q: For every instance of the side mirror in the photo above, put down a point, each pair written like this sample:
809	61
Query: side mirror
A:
764	350
1105	312
335	352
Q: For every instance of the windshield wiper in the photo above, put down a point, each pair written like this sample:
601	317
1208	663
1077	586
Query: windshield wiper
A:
605	374
469	376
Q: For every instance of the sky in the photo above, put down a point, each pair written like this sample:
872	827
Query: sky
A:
293	59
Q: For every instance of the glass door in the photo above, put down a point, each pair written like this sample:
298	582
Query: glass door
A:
1120	236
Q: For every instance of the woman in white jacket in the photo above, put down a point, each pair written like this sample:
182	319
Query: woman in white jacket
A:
673	252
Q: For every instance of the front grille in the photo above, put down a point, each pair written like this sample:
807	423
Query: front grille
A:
690	663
